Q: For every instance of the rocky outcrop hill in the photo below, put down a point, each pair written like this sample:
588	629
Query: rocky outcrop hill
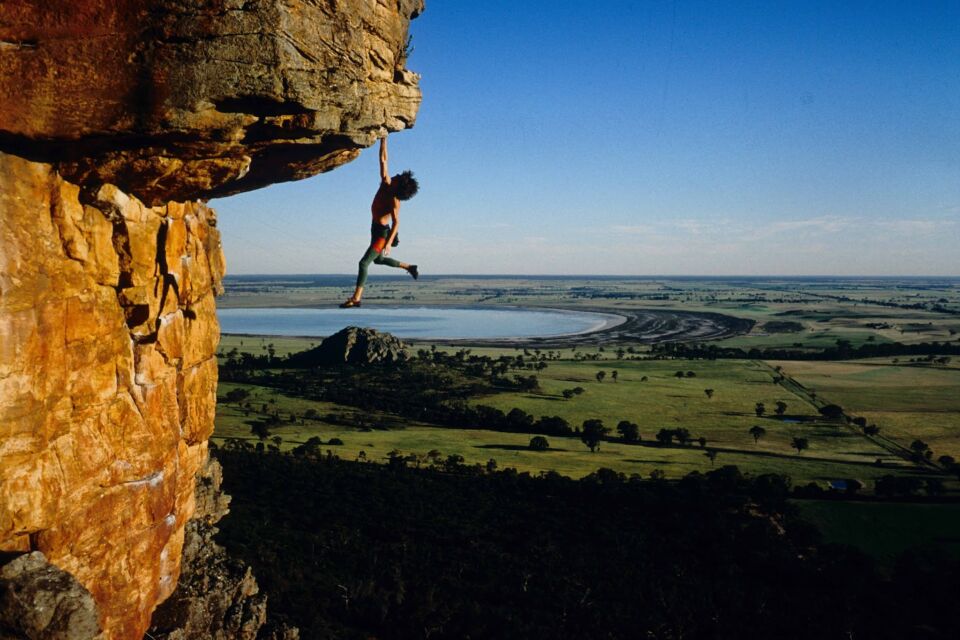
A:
352	345
116	120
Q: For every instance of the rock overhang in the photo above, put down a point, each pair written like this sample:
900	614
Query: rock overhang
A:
191	99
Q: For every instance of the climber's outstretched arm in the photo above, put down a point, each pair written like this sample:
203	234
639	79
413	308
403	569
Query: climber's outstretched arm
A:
384	172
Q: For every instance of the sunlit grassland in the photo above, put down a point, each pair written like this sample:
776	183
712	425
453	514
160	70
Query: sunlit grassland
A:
666	401
567	456
661	401
257	345
906	402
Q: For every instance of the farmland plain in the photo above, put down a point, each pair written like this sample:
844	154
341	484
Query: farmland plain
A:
906	399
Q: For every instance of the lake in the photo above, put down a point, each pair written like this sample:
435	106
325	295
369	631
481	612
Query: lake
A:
416	322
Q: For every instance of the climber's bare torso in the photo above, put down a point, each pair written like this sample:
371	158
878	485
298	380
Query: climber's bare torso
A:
385	206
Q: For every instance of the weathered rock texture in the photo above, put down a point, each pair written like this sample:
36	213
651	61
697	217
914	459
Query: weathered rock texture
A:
115	117
38	601
217	597
182	99
108	382
353	345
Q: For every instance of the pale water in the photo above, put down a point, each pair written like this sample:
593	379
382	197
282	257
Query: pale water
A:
415	322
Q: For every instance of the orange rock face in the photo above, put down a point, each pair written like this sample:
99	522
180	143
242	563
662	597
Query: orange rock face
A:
115	117
107	379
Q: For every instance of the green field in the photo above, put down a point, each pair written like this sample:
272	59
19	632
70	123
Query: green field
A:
663	400
884	529
906	402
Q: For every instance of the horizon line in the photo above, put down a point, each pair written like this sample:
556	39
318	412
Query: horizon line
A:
606	275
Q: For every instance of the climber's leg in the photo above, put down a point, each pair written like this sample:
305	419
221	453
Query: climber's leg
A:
364	265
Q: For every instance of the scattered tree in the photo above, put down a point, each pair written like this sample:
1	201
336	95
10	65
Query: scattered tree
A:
757	432
702	441
921	450
800	444
629	431
614	375
781	408
708	392
831	411
601	375
261	429
539	443
760	409
712	455
592	433
237	395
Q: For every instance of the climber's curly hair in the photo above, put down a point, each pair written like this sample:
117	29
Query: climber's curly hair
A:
405	186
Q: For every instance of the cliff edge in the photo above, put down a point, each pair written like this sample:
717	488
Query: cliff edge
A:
185	99
116	120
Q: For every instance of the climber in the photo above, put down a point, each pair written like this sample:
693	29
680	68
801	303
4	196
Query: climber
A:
385	209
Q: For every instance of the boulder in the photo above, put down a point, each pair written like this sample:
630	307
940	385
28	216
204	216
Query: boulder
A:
39	601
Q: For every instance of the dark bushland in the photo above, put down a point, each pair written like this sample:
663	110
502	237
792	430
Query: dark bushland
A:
356	550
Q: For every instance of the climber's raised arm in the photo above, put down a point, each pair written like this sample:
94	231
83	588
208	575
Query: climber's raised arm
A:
384	172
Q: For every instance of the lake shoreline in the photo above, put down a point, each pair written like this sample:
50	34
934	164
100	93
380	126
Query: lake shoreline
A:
622	326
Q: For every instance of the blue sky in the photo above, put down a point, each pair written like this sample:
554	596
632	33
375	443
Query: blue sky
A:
652	138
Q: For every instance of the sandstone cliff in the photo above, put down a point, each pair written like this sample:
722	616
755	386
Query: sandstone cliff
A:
183	99
108	379
115	117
